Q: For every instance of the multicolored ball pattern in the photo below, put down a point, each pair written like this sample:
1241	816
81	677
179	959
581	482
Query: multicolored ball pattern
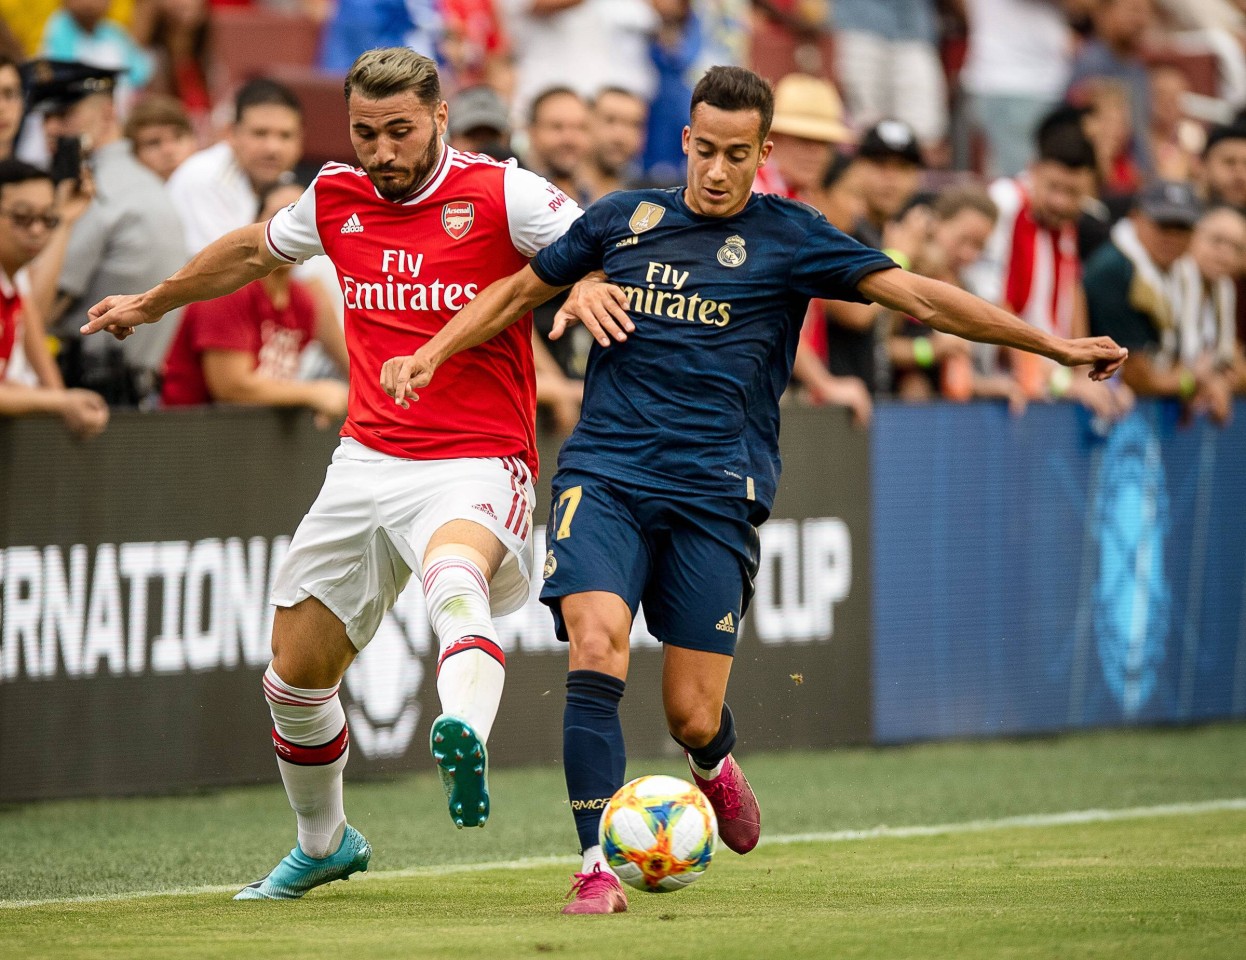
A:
658	833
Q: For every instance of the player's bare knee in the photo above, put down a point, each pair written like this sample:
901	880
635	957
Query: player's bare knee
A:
307	652
597	649
692	725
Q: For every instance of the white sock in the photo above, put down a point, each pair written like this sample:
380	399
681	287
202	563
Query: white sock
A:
592	856
471	667
312	746
707	773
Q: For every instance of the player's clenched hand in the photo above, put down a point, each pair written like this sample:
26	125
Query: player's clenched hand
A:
600	306
402	376
119	315
1102	354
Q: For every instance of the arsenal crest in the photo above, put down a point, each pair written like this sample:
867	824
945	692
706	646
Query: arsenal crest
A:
457	218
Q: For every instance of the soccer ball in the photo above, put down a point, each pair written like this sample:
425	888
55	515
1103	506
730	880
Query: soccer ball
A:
658	833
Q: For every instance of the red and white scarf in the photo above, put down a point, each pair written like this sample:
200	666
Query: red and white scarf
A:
1042	268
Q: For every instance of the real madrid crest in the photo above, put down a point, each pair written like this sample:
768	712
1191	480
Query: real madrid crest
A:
551	564
732	253
646	216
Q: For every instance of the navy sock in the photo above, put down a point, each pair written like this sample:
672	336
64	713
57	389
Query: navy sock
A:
710	755
593	755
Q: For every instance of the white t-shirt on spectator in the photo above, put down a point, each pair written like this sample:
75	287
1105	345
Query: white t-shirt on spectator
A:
1017	48
212	196
589	46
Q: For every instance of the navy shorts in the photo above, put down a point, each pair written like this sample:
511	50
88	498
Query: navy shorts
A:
690	560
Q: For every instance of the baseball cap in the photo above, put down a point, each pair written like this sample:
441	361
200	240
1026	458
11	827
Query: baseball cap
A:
809	107
1170	202
891	138
53	86
478	106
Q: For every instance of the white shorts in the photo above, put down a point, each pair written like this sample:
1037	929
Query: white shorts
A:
370	526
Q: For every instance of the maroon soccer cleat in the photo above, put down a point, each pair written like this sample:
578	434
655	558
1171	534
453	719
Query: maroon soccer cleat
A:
596	892
735	806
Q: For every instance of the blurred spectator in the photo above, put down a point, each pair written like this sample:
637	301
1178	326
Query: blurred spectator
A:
842	339
888	64
474	46
1108	124
1133	293
354	26
1114	52
245	347
616	129
1224	166
160	134
558	141
128	240
808	122
218	189
177	31
29	380
1176	140
890	164
10	105
1207	321
586	45
1016	71
480	123
927	363
725	29
839	197
80	30
675	49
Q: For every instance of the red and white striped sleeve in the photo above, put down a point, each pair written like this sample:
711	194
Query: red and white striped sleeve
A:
292	234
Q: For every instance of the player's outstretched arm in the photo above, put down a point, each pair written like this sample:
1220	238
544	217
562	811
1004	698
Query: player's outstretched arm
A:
495	308
942	306
222	267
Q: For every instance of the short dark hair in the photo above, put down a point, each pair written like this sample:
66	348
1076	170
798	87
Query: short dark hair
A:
735	88
1062	140
17	171
835	170
262	92
268	191
616	92
548	94
1219	134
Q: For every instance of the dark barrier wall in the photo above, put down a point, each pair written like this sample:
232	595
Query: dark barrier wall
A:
1031	575
134	624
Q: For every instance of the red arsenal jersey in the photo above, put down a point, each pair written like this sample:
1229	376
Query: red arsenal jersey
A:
246	321
10	319
405	268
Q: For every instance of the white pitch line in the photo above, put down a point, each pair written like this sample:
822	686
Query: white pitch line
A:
1066	818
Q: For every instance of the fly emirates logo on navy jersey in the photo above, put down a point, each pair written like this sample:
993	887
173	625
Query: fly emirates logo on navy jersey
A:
403	288
666	292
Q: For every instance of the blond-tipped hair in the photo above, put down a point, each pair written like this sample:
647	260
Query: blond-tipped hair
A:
389	71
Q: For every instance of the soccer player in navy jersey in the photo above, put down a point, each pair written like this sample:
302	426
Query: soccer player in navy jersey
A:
673	466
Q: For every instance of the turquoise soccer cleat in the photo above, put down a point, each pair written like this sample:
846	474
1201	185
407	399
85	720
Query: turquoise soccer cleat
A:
297	873
463	763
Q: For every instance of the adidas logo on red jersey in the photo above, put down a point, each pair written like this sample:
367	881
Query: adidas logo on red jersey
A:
486	510
352	225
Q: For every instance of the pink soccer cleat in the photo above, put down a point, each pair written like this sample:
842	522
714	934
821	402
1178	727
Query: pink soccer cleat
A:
735	806
596	892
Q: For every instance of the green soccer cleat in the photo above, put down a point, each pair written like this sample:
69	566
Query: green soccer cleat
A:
297	873
463	763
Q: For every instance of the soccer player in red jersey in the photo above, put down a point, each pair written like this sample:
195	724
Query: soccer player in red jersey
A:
443	491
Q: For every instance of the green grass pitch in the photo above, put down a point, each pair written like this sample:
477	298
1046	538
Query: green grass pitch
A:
999	878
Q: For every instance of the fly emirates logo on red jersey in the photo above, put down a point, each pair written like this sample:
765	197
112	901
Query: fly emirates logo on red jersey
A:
397	292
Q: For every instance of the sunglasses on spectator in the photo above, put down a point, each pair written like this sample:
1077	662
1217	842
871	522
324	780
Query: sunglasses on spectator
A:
25	221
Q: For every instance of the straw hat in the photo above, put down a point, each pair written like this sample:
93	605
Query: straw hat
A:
809	107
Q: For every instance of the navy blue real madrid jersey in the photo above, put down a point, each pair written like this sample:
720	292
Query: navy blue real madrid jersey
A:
690	403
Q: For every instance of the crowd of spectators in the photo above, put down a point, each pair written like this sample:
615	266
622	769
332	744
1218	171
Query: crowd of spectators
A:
1080	162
